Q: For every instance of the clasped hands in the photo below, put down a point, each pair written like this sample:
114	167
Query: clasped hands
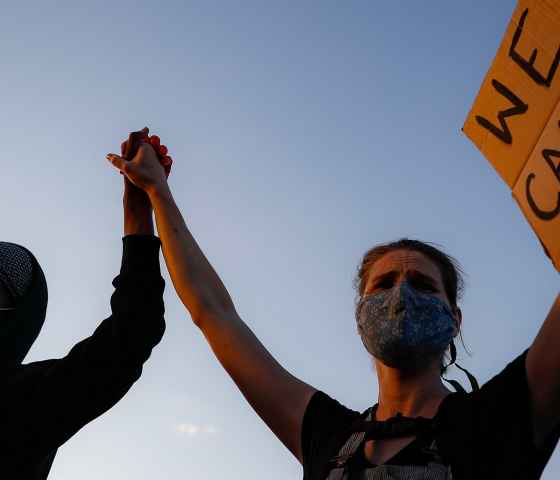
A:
145	166
149	166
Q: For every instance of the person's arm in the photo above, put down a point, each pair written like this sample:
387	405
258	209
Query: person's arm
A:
138	218
543	367
279	398
65	394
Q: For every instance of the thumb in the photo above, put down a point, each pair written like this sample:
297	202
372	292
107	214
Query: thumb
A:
118	161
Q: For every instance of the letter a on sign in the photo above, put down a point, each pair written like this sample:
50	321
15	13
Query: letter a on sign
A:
515	119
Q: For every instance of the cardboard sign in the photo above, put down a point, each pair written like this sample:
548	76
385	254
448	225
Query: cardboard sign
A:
515	119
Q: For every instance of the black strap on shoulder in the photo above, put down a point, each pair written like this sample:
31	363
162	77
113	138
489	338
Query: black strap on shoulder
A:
337	461
395	427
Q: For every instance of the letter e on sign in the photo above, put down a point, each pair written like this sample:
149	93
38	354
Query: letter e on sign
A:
520	89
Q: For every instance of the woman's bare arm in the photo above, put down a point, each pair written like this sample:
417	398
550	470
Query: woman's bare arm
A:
278	397
543	365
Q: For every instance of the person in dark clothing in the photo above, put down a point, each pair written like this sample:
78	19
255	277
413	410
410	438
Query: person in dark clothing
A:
44	403
407	315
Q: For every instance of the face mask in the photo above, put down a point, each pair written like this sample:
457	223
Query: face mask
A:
22	277
404	328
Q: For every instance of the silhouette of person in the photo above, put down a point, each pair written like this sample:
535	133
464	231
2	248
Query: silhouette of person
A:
45	403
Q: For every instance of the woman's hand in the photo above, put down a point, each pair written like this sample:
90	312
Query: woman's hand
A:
144	170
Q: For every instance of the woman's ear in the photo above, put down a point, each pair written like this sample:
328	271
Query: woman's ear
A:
458	316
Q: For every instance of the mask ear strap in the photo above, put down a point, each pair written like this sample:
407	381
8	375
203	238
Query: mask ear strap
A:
472	379
458	387
453	357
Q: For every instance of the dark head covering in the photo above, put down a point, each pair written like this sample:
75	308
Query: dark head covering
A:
22	276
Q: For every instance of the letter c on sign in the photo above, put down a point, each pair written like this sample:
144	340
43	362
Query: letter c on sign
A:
542	214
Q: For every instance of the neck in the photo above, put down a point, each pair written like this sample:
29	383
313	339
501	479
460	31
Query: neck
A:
414	394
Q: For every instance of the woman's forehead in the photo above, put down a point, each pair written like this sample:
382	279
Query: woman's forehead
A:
404	260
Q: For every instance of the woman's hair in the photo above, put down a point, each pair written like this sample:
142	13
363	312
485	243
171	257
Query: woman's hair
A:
450	270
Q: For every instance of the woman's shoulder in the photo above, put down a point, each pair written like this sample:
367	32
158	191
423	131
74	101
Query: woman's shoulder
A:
489	430
470	418
325	416
321	403
326	426
508	386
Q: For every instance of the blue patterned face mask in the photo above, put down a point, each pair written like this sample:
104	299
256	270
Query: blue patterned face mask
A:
404	328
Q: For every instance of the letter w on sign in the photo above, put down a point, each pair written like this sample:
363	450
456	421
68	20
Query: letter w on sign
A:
515	119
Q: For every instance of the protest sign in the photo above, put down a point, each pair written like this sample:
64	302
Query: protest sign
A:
515	119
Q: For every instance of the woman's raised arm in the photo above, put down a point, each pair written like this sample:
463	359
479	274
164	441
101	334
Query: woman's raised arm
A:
542	365
278	397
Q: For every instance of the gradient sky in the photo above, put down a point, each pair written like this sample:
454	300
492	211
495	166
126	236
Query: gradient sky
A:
303	133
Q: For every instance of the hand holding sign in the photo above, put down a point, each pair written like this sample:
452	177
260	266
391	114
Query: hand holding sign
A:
515	119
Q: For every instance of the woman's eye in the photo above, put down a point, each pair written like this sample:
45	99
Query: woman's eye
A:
384	284
425	287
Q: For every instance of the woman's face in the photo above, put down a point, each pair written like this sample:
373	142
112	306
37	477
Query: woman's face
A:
398	266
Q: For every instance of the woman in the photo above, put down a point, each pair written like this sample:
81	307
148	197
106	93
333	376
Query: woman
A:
407	315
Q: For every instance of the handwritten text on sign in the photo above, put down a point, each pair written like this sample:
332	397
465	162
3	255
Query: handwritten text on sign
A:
515	119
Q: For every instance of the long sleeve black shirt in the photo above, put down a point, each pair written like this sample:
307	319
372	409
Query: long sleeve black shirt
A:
43	404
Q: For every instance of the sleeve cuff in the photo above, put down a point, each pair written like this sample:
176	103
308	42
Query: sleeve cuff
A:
140	253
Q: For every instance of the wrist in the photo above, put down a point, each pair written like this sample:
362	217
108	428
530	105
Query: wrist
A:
137	211
138	218
137	205
158	191
133	225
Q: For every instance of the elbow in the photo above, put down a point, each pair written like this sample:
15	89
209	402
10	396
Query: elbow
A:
205	307
206	314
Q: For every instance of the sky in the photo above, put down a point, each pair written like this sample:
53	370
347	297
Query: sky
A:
303	133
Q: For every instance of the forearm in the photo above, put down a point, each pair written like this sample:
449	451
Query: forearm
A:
548	337
278	397
542	364
137	323
65	394
138	217
196	282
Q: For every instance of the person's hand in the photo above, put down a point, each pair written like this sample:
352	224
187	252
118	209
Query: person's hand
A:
145	170
137	206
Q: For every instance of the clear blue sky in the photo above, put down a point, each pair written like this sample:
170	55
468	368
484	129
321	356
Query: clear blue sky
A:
303	133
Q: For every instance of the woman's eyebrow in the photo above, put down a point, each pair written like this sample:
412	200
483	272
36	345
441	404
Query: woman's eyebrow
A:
417	275
384	276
